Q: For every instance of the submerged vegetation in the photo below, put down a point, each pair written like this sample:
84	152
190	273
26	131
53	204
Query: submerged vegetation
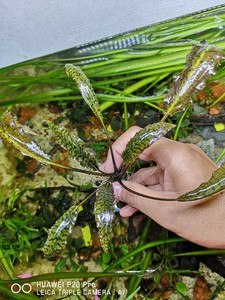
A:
131	69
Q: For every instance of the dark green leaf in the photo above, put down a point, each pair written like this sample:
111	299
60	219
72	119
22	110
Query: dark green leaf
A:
57	235
85	88
143	139
60	264
75	146
201	61
104	213
213	186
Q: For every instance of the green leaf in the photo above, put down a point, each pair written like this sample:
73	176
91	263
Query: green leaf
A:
57	235
106	257
75	146
60	265
200	64
104	213
181	288
85	88
18	136
143	139
213	186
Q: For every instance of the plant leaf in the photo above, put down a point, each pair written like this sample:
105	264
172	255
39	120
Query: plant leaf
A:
200	64
85	88
75	146
213	186
17	135
143	139
181	288
58	233
104	212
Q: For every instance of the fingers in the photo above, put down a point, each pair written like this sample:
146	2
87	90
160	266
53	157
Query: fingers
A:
162	151
147	176
137	201
118	147
163	212
128	211
161	147
160	211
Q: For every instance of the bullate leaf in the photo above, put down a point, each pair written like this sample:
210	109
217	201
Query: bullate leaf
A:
143	139
75	146
58	233
200	64
214	185
104	213
18	136
85	88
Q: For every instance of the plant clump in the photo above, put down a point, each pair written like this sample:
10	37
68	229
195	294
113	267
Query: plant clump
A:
201	62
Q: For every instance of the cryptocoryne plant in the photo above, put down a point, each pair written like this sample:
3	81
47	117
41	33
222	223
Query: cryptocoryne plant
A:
201	61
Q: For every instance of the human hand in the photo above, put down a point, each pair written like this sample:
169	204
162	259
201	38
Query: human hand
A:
180	168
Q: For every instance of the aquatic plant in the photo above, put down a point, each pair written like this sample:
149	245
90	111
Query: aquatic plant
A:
128	65
200	65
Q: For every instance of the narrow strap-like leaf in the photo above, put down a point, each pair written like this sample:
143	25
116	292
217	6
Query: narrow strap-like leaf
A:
75	146
200	65
213	186
85	88
104	213
57	235
143	139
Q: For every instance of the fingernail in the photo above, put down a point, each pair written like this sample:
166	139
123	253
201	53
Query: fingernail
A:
117	190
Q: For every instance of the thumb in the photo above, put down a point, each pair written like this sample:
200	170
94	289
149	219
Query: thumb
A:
146	205
131	198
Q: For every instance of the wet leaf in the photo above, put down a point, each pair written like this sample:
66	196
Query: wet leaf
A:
57	235
19	137
200	64
85	88
213	186
104	213
143	139
75	146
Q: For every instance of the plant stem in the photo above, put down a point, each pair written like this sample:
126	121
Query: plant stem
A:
179	123
220	156
126	118
217	100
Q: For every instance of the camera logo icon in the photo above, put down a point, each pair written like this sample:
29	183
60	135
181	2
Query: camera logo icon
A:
16	288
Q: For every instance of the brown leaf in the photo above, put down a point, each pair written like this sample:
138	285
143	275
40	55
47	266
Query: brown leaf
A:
201	61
